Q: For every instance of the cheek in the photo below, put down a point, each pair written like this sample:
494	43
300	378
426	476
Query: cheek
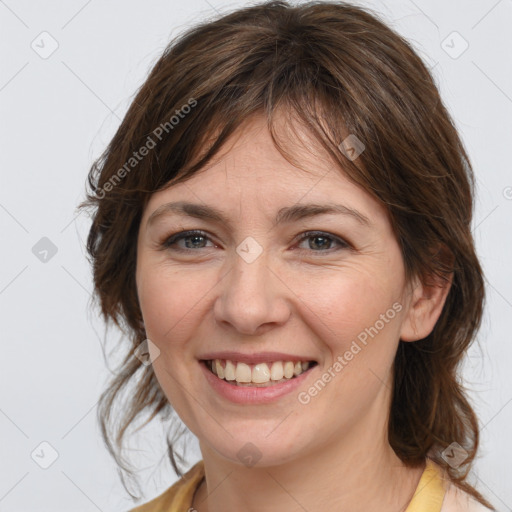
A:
357	324
171	304
343	305
169	301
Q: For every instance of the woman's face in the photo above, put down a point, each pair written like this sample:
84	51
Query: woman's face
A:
276	267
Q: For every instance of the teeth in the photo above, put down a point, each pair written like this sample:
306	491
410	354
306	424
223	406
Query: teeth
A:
277	371
218	369
261	373
243	372
288	369
229	370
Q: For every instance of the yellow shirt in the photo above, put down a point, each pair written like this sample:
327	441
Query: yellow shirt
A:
428	497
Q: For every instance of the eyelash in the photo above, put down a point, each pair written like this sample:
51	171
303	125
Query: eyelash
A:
170	242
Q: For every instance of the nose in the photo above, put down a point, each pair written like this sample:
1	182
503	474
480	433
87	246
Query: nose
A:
252	299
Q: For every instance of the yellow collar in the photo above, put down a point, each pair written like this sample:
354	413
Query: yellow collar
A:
428	496
430	491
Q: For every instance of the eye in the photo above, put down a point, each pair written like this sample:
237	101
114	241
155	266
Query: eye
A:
319	241
193	240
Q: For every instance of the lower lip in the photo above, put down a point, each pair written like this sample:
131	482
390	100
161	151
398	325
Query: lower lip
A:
253	395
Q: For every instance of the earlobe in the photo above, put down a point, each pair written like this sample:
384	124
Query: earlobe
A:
425	307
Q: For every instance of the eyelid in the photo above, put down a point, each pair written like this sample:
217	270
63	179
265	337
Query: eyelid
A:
342	243
168	241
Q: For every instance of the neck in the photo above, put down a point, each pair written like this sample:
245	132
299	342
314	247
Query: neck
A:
359	472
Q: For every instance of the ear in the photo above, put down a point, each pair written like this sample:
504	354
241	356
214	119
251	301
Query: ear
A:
427	300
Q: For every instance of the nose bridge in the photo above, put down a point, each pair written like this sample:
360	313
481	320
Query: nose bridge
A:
250	296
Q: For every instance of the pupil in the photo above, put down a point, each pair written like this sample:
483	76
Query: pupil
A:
321	244
192	240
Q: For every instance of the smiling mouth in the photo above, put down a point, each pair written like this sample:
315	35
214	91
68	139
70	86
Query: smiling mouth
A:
257	375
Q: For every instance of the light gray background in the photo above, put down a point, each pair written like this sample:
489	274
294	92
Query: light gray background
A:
58	113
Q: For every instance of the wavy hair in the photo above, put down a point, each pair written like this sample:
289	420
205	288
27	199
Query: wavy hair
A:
336	69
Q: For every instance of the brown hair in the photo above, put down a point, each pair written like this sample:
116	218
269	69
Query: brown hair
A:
337	70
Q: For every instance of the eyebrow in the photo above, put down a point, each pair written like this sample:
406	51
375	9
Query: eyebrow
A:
284	215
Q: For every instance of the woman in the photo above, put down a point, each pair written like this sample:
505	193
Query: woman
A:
282	228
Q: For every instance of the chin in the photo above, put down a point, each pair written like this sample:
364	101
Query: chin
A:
255	447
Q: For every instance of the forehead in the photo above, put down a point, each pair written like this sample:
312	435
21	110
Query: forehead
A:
249	173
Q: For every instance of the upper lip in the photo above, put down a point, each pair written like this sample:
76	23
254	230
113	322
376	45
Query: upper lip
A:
260	357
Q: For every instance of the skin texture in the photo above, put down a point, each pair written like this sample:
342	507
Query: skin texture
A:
304	297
